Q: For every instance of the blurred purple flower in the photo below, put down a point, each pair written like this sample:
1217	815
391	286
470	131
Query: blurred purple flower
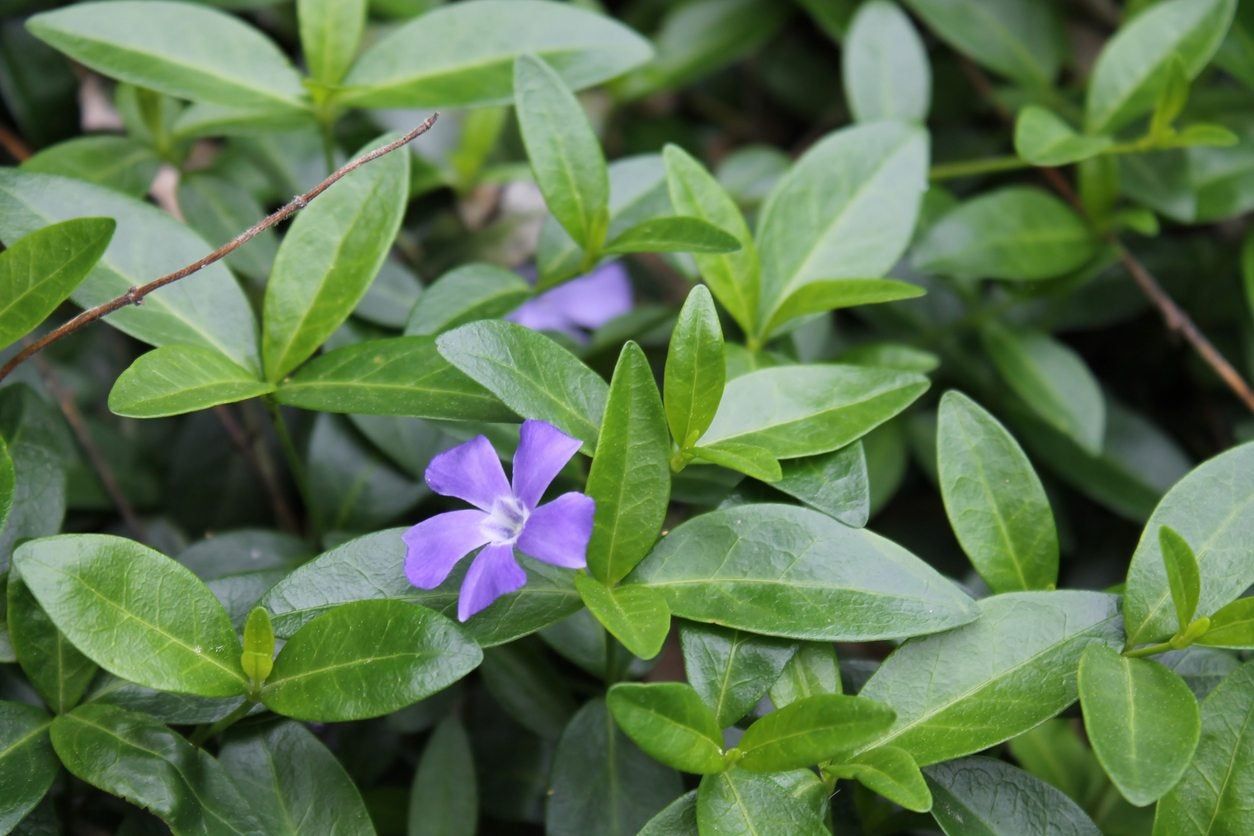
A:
507	516
579	305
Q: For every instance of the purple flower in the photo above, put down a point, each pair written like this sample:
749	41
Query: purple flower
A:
579	305
507	516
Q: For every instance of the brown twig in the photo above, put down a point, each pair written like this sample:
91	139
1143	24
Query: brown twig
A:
14	144
252	449
136	295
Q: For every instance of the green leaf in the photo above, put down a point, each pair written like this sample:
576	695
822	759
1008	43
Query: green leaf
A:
891	772
1135	64
218	209
1018	233
834	483
811	730
601	783
737	802
1052	380
132	756
731	669
696	370
823	295
209	310
781	570
39	271
812	670
565	154
968	689
679	818
36	438
1231	626
1183	578
531	374
992	798
444	799
1142	721
59	672
292	782
846	209
257	660
733	277
27	763
636	616
176	379
1043	138
366	659
1213	796
1055	753
796	411
1212	506
1171	99
391	376
328	258
8	482
190	52
520	677
884	66
994	500
112	597
670	723
464	54
673	235
1020	39
469	293
630	477
744	458
330	31
116	162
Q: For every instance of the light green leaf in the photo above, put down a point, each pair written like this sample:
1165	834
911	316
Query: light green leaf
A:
330	31
968	689
994	499
1213	507
884	66
1183	578
695	369
1043	138
745	458
891	772
257	660
738	802
1142	721
1018	233
366	659
186	51
464	54
811	730
444	799
39	271
637	616
176	379
1020	39
670	723
466	294
731	669
672	235
834	483
328	258
823	295
992	798
59	672
27	764
1135	64
812	670
116	162
112	597
1231	626
781	570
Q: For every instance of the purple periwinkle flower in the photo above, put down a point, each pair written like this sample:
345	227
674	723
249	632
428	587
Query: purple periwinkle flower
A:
506	515
579	305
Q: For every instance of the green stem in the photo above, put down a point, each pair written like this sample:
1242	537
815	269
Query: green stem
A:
295	465
205	732
1149	650
983	165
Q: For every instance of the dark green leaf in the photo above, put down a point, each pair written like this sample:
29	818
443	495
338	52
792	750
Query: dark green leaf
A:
58	671
528	687
731	669
891	772
636	616
176	379
834	483
1043	138
219	209
987	797
1183	578
35	437
885	67
812	670
27	763
811	730
739	802
670	723
679	818
695	369
444	799
471	292
8	482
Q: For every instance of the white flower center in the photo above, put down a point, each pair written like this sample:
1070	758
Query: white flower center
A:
505	523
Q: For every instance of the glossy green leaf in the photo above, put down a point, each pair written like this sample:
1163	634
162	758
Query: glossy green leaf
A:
565	154
330	31
59	672
636	616
679	818
987	797
823	295
464	54
365	659
811	730
1230	626
834	483
669	722
132	756
695	369
176	379
889	771
1183	578
1018	233
737	802
257	660
1137	61
112	597
1043	138
786	571
743	458
731	669
733	277
27	763
189	52
796	411
1020	39
1142	721
885	67
994	499
967	689
116	162
39	271
468	293
531	374
1213	796
292	782
672	235
328	258
444	799
1212	507
812	670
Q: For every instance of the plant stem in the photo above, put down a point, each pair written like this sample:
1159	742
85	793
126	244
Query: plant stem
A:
1148	650
297	467
982	165
205	732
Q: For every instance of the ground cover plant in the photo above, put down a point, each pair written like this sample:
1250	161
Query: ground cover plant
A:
720	417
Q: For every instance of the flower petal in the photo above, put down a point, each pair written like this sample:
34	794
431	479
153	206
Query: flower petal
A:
494	573
436	544
558	532
469	471
541	314
591	301
543	451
